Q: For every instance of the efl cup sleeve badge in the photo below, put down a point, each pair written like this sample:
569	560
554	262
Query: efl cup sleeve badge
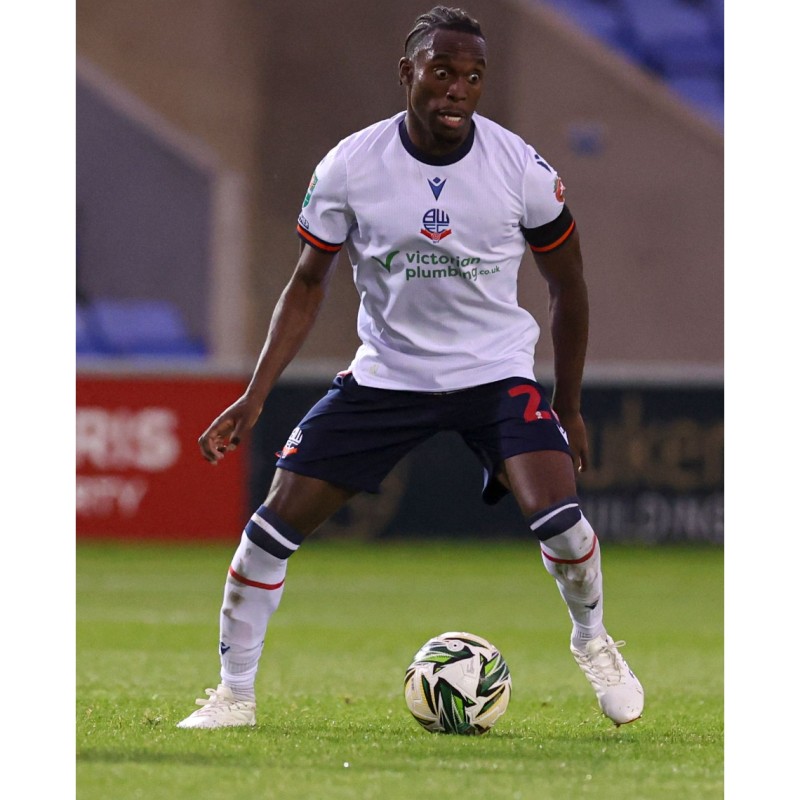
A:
435	225
310	190
559	189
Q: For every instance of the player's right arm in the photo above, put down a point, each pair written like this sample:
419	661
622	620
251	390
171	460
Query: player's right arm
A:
292	320
323	225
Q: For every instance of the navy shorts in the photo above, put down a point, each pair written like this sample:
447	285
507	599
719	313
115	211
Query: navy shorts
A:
355	435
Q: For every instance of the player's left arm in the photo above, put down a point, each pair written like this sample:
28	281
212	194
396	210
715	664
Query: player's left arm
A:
562	268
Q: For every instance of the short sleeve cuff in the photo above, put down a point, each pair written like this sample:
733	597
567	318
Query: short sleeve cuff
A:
317	243
551	235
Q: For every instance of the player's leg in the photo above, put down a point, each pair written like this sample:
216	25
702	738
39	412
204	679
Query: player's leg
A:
295	506
351	438
524	450
543	484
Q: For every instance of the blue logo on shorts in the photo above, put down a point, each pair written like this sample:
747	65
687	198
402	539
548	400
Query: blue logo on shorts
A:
435	225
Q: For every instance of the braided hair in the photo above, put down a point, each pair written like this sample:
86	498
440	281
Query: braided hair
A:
454	19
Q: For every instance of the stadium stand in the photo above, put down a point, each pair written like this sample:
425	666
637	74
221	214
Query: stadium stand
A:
681	42
88	341
131	328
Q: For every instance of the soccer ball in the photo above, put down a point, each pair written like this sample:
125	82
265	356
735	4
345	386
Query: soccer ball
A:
457	683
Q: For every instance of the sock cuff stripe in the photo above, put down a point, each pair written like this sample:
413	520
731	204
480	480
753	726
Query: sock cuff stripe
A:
269	532
273	532
247	582
283	528
547	517
571	560
556	519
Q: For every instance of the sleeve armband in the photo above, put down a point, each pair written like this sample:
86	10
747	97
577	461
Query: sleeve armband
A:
318	244
549	236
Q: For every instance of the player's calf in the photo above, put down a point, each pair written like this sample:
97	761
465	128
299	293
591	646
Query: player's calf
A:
571	554
253	591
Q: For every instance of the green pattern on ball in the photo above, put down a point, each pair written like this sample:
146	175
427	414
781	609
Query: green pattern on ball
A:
446	698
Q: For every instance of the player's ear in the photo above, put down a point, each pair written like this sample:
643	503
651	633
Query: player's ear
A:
405	71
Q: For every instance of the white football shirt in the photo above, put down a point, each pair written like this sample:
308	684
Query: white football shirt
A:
436	245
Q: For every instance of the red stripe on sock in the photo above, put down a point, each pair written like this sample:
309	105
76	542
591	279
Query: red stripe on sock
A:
258	585
572	561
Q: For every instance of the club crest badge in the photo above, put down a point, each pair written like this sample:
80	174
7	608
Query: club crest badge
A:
435	225
292	443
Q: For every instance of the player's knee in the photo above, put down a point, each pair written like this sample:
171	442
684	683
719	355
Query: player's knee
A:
567	540
555	519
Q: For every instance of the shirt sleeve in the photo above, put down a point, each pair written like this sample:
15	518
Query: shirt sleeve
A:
546	222
325	217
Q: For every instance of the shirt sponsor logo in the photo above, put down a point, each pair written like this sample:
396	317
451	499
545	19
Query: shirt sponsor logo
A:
387	264
470	273
435	225
418	264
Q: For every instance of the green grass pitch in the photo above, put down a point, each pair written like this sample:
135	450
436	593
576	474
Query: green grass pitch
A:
332	721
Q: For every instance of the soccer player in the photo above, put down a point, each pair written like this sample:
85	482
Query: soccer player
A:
435	208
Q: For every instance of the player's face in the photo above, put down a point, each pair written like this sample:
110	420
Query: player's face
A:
443	84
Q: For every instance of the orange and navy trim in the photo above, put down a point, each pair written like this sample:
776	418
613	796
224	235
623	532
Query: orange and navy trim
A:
553	234
558	242
317	244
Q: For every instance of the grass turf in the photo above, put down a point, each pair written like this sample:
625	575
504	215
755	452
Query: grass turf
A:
332	718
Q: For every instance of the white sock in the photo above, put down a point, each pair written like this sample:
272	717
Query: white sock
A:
253	591
573	559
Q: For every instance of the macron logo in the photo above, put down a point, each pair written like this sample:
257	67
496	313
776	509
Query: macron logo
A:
223	648
437	184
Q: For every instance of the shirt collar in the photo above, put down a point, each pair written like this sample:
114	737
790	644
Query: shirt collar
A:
436	161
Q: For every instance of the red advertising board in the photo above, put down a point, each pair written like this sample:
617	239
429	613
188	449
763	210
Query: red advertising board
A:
140	474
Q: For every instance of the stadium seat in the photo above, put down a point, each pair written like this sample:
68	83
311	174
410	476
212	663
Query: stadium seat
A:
598	18
705	93
88	339
679	41
655	26
142	328
715	11
684	58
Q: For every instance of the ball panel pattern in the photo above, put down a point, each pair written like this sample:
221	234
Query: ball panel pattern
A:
457	683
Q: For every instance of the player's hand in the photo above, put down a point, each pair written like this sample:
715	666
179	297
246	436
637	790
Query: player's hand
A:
226	431
578	441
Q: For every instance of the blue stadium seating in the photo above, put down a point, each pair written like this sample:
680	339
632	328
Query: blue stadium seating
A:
678	41
89	338
129	328
597	18
702	91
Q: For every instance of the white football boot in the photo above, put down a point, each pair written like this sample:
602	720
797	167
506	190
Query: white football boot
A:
220	710
618	690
